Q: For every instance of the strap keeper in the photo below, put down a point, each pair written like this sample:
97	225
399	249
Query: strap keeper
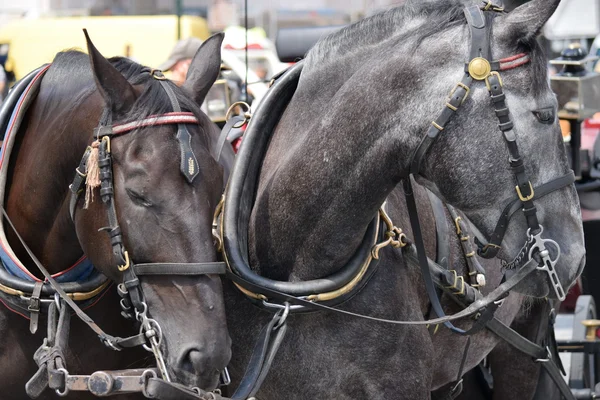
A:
437	126
498	98
103	131
503	112
34	307
507	126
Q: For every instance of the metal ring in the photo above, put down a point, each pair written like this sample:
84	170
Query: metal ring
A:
146	376
283	316
234	105
66	390
153	324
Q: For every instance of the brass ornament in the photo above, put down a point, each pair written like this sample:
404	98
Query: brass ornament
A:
480	68
191	166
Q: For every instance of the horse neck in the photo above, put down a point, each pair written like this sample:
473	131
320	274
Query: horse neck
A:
48	149
342	145
323	180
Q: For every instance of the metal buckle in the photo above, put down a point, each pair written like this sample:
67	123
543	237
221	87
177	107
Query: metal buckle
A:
487	80
467	90
545	360
127	263
492	7
521	197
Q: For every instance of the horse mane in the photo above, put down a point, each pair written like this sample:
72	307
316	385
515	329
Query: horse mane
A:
153	100
399	23
437	17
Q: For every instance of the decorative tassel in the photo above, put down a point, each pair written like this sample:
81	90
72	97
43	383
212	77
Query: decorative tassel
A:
92	170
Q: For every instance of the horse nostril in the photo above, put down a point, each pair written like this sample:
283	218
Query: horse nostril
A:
195	361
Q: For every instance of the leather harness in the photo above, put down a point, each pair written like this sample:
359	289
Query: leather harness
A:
300	296
50	358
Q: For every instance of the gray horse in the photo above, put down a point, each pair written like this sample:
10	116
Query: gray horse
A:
365	98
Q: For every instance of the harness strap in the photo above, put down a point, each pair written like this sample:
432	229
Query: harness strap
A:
111	341
235	121
491	249
262	357
474	308
35	307
180	269
535	351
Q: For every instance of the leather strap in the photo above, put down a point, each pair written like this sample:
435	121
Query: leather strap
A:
180	269
234	121
35	307
487	251
536	352
111	341
262	357
474	308
189	163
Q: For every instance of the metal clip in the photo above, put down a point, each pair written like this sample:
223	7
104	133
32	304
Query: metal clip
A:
395	237
215	225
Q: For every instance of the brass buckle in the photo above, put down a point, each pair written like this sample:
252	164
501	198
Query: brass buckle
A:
462	85
107	140
493	7
157	74
454	286
521	194
126	266
487	80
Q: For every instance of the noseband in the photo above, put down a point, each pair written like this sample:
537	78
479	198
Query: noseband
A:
479	68
130	290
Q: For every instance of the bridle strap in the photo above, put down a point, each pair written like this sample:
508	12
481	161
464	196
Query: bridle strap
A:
207	268
491	249
189	163
111	341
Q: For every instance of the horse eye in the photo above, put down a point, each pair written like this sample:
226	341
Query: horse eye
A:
138	198
545	116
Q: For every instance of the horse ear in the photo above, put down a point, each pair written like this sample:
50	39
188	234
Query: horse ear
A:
116	91
526	21
205	68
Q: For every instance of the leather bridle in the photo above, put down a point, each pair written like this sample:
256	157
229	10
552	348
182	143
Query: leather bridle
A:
479	68
132	303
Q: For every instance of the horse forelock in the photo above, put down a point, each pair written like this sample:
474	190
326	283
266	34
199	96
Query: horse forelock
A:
153	99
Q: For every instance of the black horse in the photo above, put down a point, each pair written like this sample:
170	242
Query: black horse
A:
152	157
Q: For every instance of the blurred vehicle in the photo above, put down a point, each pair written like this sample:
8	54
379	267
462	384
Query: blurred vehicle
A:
146	39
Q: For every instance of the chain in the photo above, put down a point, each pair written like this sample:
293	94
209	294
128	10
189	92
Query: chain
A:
153	332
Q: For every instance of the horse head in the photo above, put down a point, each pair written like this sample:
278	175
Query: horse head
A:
470	166
167	185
